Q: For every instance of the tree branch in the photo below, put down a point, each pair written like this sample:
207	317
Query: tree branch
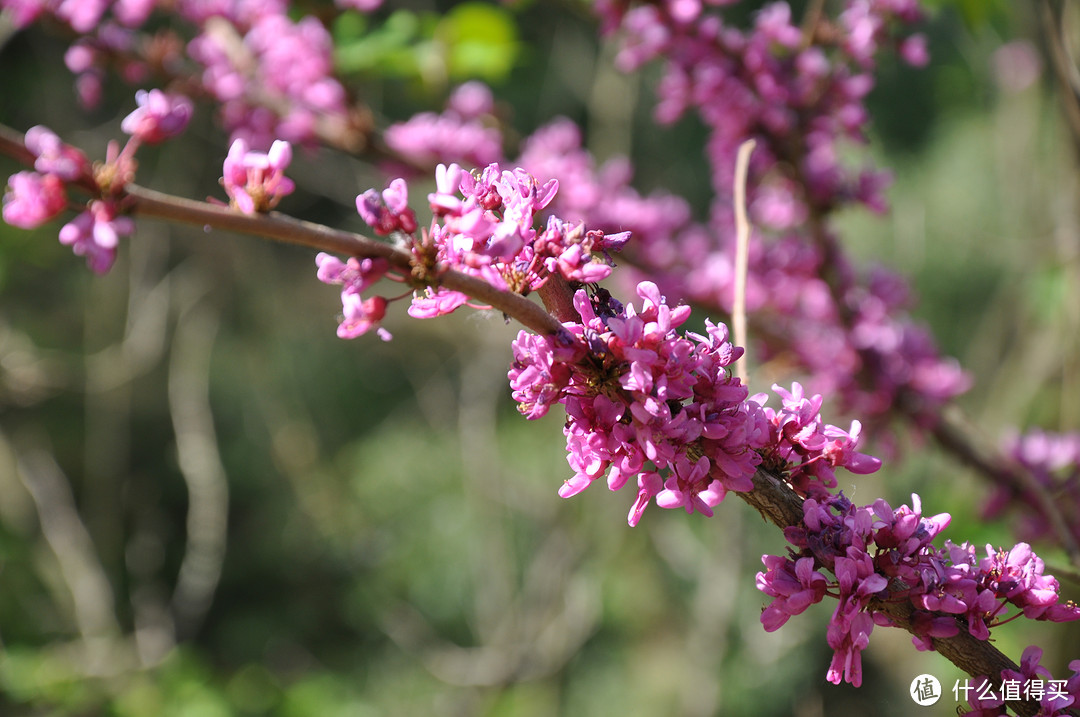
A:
781	506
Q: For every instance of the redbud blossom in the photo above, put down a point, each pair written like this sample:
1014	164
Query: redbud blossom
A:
95	234
55	157
33	199
256	181
159	116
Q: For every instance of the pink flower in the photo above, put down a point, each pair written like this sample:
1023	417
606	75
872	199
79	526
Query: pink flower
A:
256	181
794	585
913	50
33	199
159	116
361	5
55	157
362	315
388	212
436	302
471	100
95	234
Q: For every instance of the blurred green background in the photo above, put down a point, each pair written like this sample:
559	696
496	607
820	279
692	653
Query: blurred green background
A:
210	505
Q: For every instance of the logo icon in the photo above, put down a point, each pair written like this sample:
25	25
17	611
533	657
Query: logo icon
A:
925	690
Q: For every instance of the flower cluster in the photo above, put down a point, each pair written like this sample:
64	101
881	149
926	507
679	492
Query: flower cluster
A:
34	198
799	93
878	553
853	337
460	134
484	225
274	81
355	276
160	116
807	449
644	402
272	76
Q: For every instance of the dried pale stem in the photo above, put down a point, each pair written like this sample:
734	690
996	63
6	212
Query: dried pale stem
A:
948	428
742	255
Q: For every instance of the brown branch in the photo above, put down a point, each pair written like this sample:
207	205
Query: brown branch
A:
145	202
279	227
956	436
780	505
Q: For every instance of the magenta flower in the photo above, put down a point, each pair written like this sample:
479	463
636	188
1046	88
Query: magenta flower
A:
436	302
256	181
54	157
471	100
159	116
796	586
33	199
388	212
95	234
362	315
428	138
692	488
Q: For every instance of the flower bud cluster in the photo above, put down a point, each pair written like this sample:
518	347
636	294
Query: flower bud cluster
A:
806	448
274	81
644	402
35	197
877	553
160	116
463	133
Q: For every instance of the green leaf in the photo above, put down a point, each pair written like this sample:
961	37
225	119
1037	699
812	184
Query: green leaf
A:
386	47
975	13
349	27
481	41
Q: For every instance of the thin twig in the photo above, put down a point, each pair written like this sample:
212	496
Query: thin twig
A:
742	255
149	203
